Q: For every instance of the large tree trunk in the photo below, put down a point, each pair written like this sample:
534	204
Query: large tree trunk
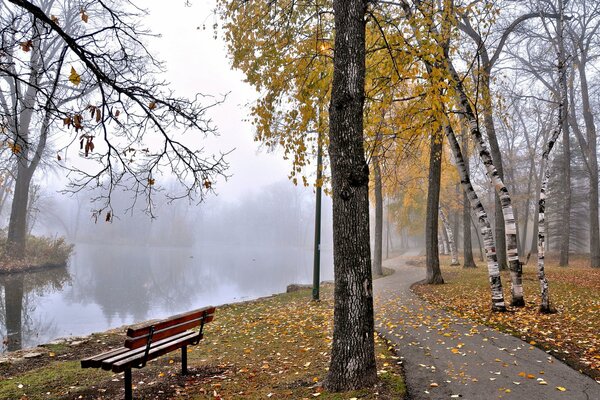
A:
432	259
352	363
484	224
377	255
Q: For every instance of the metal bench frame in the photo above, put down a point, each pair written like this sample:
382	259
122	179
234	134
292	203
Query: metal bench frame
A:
156	339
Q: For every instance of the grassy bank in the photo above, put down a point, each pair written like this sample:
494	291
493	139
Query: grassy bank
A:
42	252
571	334
276	347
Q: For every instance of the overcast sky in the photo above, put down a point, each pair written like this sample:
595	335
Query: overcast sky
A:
196	62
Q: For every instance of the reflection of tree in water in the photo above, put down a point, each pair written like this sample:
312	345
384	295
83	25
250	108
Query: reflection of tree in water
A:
128	282
20	295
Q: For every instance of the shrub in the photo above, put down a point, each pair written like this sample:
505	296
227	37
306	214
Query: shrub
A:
41	252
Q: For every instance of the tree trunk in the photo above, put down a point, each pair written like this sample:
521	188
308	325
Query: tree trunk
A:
488	122
516	269
456	220
13	306
17	226
566	181
592	164
432	259
352	363
545	298
443	237
534	239
468	261
450	237
377	256
484	224
480	246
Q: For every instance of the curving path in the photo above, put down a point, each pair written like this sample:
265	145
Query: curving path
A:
446	357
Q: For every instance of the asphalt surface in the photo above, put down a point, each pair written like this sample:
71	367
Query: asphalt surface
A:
447	357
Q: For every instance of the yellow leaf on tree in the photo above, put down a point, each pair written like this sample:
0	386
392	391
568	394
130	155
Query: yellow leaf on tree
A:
74	78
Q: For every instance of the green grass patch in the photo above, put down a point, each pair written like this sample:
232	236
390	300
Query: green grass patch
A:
51	381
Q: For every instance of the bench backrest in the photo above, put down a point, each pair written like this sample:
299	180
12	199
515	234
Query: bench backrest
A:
165	328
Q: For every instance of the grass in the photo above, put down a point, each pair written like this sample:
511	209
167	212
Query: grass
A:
41	252
571	334
277	347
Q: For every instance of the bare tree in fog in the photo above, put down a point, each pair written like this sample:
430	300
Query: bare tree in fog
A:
83	72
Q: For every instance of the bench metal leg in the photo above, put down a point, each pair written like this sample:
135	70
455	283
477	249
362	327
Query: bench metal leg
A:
184	369
128	385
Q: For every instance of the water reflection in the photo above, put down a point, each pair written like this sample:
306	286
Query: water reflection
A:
20	323
111	285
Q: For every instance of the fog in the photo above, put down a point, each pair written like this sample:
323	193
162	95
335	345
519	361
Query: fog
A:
191	255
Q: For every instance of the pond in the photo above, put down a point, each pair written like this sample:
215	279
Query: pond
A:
109	286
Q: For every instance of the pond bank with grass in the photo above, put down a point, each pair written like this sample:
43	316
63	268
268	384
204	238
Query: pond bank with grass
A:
271	347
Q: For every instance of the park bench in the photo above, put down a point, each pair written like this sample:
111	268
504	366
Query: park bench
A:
149	341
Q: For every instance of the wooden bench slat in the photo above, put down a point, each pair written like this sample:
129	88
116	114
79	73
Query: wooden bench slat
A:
96	361
140	341
155	351
108	362
174	320
167	335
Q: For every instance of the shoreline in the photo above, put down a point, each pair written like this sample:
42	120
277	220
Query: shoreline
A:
14	270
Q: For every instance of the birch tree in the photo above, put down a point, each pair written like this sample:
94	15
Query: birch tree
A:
451	240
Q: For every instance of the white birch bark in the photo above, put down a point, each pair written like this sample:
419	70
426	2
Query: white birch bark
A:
451	241
516	269
483	221
545	297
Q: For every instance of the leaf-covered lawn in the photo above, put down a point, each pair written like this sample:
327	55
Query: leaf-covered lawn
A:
277	347
571	334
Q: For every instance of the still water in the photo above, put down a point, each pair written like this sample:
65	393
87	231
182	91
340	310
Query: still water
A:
109	286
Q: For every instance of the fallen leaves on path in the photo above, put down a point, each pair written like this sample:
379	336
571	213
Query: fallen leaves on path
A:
571	334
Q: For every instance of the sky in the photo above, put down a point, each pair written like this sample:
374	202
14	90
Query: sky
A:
196	62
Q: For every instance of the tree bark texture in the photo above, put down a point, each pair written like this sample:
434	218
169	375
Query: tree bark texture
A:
516	270
545	297
488	122
484	223
378	252
352	363
432	259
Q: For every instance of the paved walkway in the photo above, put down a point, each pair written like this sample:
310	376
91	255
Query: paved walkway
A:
448	357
